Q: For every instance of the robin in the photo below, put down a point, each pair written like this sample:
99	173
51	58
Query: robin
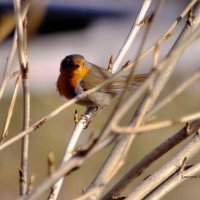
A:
78	75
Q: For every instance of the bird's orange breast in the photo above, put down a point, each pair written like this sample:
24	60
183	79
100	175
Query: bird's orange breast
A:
64	86
78	74
68	81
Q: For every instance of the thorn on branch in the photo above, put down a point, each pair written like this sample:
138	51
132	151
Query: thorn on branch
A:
146	20
188	127
126	64
21	176
190	18
178	19
51	163
3	136
182	167
167	36
72	170
110	64
146	177
188	167
198	131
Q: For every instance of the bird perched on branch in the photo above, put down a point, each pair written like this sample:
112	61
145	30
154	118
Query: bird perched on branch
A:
78	75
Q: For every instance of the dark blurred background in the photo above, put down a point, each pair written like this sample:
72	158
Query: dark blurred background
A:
97	30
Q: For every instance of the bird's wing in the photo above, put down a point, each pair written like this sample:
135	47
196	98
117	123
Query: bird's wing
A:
98	76
116	86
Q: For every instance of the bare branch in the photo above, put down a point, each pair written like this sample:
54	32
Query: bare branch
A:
8	64
134	30
148	159
157	125
174	181
11	108
70	149
169	168
22	55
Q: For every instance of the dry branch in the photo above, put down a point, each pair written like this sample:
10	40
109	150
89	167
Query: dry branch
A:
191	149
175	180
11	108
22	56
156	153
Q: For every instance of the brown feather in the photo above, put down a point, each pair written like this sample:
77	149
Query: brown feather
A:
97	75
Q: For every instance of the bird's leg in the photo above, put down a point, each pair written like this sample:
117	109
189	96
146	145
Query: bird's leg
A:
91	112
87	117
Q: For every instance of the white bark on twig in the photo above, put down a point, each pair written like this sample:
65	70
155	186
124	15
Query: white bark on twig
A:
132	34
69	151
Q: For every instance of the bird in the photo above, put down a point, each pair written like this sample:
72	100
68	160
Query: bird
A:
77	75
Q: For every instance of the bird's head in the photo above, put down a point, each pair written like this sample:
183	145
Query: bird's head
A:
75	64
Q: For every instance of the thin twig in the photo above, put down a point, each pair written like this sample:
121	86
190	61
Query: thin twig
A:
12	53
129	40
183	86
157	125
10	110
22	55
8	65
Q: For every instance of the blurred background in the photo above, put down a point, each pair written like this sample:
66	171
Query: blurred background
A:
97	30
